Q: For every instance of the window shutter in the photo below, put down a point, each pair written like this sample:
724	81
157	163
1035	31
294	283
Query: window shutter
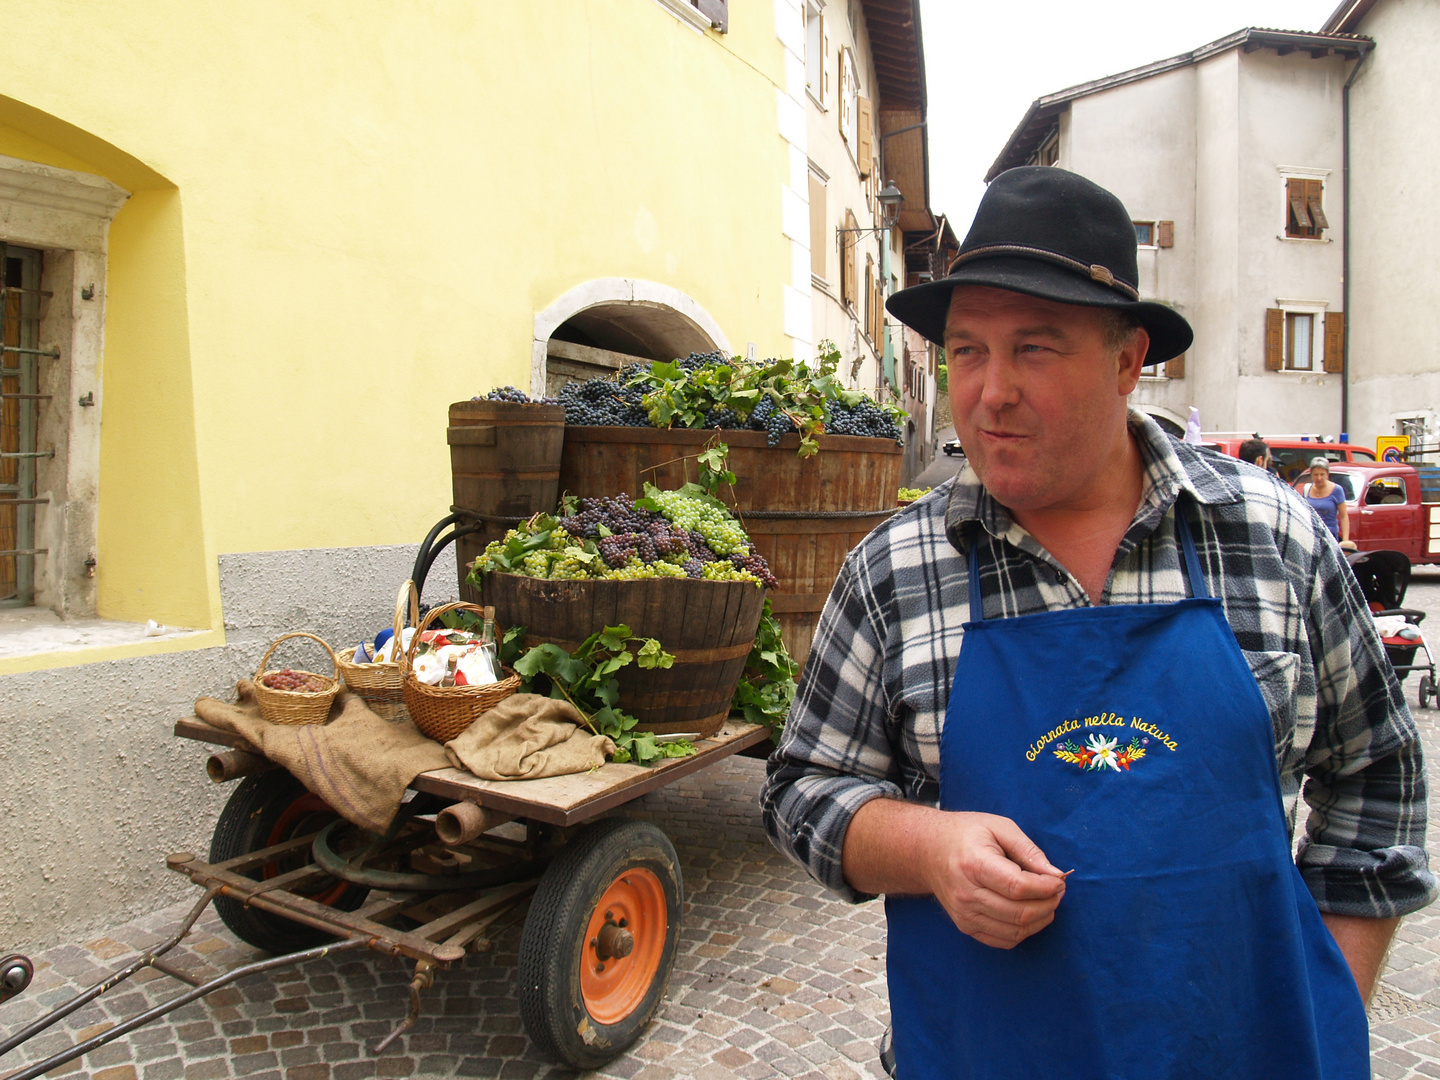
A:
1166	234
847	260
824	66
869	299
1295	192
1313	194
1274	339
877	334
1335	342
1175	369
817	226
717	11
845	92
866	149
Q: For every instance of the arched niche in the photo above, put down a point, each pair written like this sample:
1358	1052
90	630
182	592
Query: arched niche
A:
602	324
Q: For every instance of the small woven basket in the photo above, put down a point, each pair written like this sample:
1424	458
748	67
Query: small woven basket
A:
441	712
297	706
379	685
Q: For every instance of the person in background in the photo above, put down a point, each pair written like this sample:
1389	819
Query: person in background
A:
1256	452
1064	710
1328	500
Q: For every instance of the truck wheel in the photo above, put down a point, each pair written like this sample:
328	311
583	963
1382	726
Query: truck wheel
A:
599	942
1427	691
266	809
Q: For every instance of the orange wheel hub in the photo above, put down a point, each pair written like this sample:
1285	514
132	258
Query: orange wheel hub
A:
624	943
315	808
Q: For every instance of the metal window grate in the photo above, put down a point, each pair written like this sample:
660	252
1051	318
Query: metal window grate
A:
20	400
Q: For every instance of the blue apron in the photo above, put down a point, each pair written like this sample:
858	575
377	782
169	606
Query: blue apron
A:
1131	743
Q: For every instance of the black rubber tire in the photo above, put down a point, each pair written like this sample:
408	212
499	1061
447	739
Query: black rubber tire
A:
552	945
248	822
1427	691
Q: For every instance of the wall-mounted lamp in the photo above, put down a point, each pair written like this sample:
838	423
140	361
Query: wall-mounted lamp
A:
890	200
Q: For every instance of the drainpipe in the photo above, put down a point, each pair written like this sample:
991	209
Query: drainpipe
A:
887	362
1345	245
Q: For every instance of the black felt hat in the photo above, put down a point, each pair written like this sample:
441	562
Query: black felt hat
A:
1046	232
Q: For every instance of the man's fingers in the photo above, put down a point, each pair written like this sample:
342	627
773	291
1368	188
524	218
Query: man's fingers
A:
1020	849
1001	933
1001	876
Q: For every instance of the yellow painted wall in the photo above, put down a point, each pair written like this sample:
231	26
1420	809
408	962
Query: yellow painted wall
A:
346	215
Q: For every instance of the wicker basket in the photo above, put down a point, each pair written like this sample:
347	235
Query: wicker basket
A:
441	712
378	684
297	706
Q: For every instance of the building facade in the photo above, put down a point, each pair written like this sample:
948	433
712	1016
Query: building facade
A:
1230	161
251	254
864	94
1394	326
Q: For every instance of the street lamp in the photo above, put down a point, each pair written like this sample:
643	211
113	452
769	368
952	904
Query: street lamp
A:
890	200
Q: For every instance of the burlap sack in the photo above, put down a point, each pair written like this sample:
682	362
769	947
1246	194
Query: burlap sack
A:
526	737
357	762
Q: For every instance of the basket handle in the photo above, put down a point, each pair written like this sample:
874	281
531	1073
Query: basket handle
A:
407	591
430	617
335	664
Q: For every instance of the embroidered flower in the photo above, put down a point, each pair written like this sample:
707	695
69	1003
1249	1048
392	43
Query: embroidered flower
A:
1102	753
1103	750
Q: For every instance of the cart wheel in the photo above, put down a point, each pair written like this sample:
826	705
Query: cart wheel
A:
599	942
267	809
1427	690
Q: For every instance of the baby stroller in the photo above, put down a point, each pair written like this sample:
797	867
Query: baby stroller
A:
1384	576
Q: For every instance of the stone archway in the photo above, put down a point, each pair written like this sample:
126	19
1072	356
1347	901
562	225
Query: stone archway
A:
609	319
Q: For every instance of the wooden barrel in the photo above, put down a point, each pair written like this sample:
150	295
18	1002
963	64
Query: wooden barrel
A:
709	626
804	514
505	465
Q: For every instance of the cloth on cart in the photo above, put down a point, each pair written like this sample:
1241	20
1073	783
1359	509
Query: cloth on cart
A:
528	736
358	762
361	764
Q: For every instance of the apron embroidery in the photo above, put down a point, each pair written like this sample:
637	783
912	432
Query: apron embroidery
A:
1099	754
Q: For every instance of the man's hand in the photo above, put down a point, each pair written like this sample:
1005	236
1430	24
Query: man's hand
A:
996	885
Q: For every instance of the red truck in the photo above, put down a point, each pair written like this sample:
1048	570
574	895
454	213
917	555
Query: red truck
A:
1387	509
1291	453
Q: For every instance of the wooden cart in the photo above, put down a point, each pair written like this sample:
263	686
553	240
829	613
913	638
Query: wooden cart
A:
290	877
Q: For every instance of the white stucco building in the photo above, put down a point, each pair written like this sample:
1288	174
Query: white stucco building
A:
1394	127
1230	161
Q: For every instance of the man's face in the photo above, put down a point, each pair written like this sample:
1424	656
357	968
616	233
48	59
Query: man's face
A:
1038	396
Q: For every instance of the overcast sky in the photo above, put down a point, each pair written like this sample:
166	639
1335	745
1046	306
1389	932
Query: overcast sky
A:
986	61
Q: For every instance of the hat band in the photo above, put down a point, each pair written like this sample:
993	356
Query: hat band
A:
1093	271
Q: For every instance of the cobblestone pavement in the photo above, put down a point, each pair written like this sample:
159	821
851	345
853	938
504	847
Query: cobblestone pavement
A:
1405	1014
773	977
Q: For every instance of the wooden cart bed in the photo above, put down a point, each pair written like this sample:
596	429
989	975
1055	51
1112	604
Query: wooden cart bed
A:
555	800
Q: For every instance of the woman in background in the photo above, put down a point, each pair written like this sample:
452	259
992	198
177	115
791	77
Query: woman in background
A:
1328	500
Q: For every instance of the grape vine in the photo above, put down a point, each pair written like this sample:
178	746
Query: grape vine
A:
586	679
711	391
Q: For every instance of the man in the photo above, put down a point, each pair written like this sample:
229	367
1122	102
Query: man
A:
1256	452
1026	721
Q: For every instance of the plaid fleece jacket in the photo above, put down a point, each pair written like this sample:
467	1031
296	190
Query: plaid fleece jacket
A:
867	718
